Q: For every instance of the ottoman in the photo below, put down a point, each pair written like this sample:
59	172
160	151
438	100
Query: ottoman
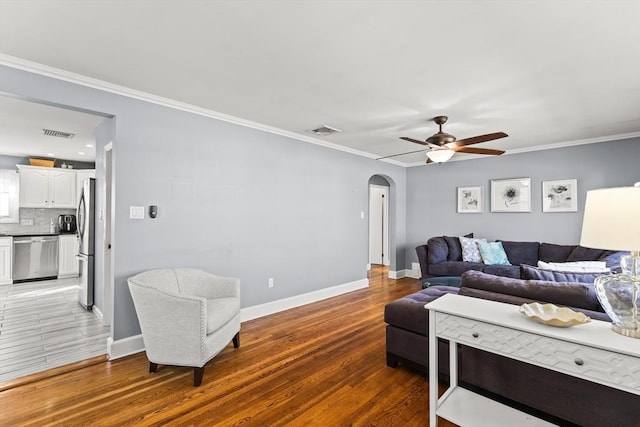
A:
408	330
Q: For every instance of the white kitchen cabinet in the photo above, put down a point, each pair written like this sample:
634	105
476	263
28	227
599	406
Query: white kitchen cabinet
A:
81	175
47	187
5	260
68	265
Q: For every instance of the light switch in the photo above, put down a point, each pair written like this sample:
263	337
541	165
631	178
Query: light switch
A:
136	212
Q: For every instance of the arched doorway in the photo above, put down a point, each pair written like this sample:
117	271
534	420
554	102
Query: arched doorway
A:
379	196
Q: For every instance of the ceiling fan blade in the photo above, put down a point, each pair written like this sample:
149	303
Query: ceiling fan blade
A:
473	150
401	154
417	141
476	139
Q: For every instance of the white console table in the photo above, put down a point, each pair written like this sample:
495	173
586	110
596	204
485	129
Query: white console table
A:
591	351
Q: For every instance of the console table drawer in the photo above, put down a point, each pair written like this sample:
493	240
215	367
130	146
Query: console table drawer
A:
593	364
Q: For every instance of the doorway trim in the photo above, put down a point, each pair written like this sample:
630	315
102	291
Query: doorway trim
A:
107	271
379	238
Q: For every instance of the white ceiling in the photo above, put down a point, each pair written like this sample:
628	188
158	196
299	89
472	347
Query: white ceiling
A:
548	73
21	135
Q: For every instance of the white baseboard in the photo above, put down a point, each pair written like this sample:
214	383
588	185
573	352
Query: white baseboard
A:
395	274
414	274
256	311
403	273
96	312
124	347
131	345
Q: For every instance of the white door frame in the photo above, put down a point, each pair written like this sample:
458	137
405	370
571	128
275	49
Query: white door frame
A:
386	260
107	240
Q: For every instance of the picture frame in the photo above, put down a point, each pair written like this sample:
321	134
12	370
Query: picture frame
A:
469	200
511	195
560	195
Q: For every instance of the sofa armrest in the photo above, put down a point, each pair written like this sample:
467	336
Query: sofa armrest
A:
581	295
173	326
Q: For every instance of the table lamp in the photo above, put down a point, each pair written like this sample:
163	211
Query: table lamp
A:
612	221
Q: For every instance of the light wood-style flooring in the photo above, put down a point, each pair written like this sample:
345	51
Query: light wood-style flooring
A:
42	326
322	364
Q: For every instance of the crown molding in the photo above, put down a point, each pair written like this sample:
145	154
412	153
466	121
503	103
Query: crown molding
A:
82	80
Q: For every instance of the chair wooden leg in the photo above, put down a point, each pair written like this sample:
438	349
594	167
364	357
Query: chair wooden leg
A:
198	373
153	367
236	340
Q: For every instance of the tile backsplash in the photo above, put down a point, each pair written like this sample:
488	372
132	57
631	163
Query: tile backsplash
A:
41	220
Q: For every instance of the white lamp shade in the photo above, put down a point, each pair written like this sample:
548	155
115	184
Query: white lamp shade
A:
440	156
612	219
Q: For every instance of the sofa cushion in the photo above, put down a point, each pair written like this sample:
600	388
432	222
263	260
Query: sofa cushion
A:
220	311
455	248
612	259
409	313
580	253
437	250
492	253
454	268
576	266
550	252
503	270
580	295
470	251
529	272
521	252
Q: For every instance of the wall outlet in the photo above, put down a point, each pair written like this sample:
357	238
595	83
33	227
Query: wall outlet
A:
271	282
26	221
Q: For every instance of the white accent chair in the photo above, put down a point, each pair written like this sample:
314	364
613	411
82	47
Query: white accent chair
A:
187	316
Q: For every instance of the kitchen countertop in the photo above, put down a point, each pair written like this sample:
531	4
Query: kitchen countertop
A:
23	234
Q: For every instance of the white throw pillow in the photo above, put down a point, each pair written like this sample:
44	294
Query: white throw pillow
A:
470	251
576	266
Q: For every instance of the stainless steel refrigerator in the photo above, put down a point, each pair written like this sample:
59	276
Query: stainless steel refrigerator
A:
86	233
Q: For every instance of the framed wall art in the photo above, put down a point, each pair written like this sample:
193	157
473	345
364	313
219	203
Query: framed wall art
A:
469	199
511	195
560	195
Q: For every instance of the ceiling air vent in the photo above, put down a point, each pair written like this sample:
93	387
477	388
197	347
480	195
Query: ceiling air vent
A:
58	133
324	131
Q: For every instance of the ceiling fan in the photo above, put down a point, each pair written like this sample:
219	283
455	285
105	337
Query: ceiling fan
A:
443	145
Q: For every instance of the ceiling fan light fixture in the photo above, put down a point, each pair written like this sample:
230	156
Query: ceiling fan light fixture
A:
441	138
440	156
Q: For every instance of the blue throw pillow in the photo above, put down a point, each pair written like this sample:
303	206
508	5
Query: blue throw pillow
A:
493	253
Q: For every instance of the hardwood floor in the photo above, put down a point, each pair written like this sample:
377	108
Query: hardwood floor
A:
322	364
42	326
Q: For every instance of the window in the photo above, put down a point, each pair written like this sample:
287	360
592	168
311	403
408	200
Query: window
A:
9	196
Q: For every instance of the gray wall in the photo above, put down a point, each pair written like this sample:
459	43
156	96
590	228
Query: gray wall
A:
431	192
232	200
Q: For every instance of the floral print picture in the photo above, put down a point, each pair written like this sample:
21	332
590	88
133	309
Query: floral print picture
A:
511	195
469	199
560	196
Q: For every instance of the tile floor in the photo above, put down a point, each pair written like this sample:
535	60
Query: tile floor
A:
42	326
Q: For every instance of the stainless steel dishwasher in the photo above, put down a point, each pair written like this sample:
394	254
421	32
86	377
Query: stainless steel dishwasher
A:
35	257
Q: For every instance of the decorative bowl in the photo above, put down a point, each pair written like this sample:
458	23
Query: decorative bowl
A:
553	315
41	162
